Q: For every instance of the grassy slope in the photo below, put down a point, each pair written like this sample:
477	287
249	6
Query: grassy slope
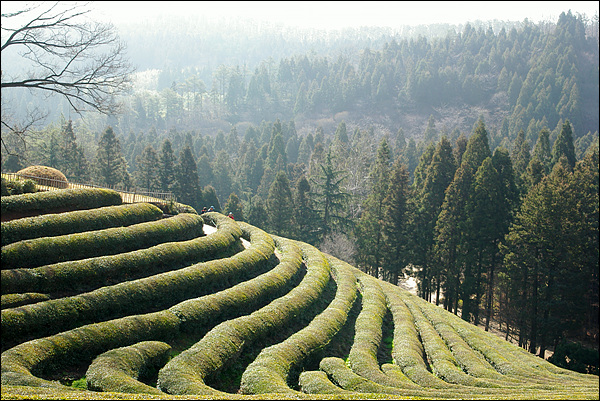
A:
293	334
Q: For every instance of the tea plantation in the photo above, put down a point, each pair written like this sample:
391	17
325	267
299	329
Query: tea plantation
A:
106	300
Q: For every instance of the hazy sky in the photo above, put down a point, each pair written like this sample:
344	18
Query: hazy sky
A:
340	14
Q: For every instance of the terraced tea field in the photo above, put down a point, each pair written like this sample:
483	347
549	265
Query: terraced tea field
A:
116	301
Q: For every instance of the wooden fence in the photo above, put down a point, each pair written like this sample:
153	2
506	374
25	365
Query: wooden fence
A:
48	184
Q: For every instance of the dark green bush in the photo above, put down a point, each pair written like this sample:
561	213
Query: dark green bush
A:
47	250
14	300
52	225
269	371
92	273
574	356
136	296
26	363
60	199
121	369
29	186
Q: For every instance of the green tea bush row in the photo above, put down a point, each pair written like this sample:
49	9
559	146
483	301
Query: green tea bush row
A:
269	372
137	296
119	369
48	250
185	373
362	358
51	225
17	187
511	360
14	300
317	382
469	360
26	363
88	274
342	376
472	361
408	352
443	362
245	296
60	199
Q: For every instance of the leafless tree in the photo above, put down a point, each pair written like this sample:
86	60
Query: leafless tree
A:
68	55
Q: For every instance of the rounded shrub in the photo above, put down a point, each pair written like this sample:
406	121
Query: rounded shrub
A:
44	175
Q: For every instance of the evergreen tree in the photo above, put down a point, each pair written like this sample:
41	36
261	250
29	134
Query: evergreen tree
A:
424	162
395	217
235	206
205	170
542	150
280	206
210	198
110	165
166	163
449	233
520	156
437	176
223	182
304	213
147	174
330	198
564	146
72	158
188	186
369	229
257	213
410	157
459	148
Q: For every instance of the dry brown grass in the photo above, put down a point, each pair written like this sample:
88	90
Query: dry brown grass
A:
41	175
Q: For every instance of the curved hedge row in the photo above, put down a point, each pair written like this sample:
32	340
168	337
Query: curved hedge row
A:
119	369
78	221
245	296
136	296
185	373
60	199
89	274
469	360
268	373
362	358
14	300
48	250
344	377
443	362
23	364
408	352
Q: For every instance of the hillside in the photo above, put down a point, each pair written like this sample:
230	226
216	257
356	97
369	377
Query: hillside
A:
153	306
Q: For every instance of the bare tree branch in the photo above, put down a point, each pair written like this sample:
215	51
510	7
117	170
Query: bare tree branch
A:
80	60
68	55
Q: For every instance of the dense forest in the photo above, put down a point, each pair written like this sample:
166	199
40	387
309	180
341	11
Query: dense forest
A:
468	160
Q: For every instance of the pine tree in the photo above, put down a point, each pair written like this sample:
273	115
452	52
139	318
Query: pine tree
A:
223	182
188	185
147	174
395	217
72	161
330	198
437	177
564	146
234	205
166	163
280	206
542	150
369	229
257	213
209	197
110	165
304	213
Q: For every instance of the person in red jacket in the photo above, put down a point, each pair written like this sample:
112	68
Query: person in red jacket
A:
231	215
